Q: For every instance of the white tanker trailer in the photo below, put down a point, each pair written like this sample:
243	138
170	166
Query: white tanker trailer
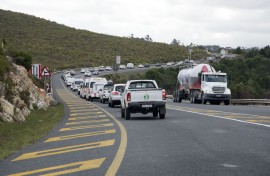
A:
202	84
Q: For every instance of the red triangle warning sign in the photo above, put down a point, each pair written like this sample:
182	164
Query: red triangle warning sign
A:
45	72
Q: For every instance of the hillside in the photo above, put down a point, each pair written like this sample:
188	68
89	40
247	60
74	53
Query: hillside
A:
50	43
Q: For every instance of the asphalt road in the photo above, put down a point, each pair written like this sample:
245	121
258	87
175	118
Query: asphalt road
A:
191	140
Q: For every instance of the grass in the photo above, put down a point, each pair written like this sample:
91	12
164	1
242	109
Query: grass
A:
16	136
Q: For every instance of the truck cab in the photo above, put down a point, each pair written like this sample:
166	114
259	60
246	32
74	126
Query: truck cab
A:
214	88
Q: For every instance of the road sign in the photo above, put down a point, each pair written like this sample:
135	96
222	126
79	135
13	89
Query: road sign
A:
118	59
45	72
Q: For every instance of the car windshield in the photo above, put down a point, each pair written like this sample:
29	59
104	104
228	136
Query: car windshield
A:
108	87
216	78
78	82
141	85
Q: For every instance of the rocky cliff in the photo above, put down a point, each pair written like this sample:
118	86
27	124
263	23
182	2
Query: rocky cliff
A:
19	95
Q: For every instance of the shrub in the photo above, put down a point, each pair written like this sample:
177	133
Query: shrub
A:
4	67
9	89
22	59
25	96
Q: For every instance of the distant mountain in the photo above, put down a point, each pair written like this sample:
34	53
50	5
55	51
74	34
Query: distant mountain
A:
58	46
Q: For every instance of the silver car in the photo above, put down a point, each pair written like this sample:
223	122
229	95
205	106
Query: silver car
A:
115	94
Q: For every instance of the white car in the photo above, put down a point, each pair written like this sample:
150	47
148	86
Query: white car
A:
108	68
76	83
69	81
140	65
122	67
82	70
169	64
87	73
115	95
130	65
101	68
104	96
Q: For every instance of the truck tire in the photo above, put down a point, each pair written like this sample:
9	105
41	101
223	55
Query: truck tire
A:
203	100
161	116
122	113
155	113
109	104
127	113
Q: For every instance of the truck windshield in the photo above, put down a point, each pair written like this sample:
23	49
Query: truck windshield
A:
216	78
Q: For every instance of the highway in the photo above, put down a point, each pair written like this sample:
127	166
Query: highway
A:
193	139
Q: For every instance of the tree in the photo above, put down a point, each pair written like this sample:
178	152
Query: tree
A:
238	50
148	38
175	42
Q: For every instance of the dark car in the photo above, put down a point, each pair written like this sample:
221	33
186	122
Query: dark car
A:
146	65
158	65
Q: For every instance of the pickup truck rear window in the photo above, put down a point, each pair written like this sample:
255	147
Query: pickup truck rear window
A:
141	85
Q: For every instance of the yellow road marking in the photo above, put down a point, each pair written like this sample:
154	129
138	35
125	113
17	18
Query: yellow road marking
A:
258	120
70	168
122	146
86	127
61	138
86	117
68	149
82	113
83	110
89	121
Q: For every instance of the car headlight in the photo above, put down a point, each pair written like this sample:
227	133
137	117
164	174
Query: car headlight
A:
207	91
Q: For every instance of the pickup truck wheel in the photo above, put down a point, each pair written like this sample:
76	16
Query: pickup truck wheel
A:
103	101
109	104
122	113
161	116
155	113
127	113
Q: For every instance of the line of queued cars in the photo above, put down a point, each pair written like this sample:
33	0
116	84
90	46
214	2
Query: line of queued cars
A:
134	96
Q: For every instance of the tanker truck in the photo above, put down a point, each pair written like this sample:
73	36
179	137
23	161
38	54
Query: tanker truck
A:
202	84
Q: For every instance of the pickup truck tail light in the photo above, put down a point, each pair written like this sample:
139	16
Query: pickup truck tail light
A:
163	94
115	93
129	96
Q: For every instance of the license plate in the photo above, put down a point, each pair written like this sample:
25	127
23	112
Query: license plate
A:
147	106
218	95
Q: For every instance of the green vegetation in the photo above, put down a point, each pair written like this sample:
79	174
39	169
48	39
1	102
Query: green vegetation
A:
15	136
247	78
22	59
59	47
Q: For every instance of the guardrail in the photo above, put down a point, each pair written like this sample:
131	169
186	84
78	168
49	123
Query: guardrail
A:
251	101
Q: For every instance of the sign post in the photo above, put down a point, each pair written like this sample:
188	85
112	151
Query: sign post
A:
45	73
117	63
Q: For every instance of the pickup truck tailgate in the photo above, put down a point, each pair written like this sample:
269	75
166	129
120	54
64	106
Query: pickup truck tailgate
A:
146	95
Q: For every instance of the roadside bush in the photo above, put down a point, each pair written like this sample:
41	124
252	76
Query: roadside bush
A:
25	96
22	59
9	89
4	67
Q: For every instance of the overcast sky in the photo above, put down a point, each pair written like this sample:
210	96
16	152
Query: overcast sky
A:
231	23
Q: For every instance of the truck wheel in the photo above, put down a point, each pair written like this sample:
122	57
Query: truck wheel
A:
91	99
227	102
103	101
127	114
161	116
122	113
203	100
109	104
155	113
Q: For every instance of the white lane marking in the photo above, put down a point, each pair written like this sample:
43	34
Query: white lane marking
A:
221	117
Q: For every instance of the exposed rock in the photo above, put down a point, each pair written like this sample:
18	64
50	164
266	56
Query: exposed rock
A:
18	110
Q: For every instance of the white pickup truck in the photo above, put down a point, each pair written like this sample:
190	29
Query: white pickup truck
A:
143	96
